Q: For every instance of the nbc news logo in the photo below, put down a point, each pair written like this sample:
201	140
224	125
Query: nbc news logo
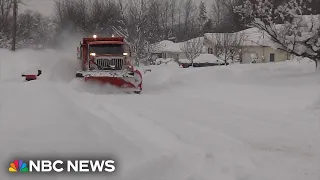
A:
45	166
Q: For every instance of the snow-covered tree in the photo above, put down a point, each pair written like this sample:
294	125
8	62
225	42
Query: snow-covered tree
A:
232	21
225	45
192	48
190	13
5	41
218	13
153	20
208	26
296	33
136	23
5	23
5	12
202	15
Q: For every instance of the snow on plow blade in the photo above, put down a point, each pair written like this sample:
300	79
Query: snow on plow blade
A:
129	80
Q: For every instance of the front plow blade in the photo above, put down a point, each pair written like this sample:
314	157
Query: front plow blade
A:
115	81
131	81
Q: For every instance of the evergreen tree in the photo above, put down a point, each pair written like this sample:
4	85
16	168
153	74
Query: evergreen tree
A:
202	15
208	26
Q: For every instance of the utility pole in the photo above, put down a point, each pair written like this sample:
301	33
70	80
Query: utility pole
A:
14	28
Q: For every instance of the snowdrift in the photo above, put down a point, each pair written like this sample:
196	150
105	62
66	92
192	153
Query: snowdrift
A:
56	65
256	121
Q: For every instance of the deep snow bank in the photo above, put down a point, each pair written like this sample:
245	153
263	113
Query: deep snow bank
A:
56	65
250	122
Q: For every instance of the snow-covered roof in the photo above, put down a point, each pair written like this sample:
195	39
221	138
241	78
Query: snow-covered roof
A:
251	37
158	47
255	37
169	46
166	46
174	47
195	40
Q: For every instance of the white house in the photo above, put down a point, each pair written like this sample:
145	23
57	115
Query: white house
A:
168	49
173	50
255	45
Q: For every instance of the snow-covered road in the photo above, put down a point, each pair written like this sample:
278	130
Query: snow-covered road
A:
241	122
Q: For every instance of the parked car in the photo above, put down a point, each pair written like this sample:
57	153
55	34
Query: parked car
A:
208	60
185	63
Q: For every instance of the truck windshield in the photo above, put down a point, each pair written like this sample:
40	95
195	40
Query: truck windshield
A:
106	49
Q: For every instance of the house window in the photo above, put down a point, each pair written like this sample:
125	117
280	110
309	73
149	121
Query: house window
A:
210	50
272	57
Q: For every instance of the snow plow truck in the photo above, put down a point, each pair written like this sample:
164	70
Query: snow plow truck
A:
107	60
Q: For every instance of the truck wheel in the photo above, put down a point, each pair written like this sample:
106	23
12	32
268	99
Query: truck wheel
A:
137	92
79	75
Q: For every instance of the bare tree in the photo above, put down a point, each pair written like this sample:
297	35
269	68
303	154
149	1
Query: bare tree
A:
121	28
226	45
150	50
298	34
156	24
217	13
66	15
8	22
14	25
136	22
180	17
8	17
141	22
5	10
192	48
173	12
232	19
165	17
105	14
224	18
190	19
202	19
33	30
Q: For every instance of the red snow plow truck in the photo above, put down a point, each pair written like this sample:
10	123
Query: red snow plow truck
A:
107	60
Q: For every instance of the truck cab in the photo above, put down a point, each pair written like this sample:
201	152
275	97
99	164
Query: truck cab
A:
108	60
104	54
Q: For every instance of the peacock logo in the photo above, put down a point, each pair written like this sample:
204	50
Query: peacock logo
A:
18	166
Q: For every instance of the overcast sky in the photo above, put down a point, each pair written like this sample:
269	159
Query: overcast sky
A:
45	7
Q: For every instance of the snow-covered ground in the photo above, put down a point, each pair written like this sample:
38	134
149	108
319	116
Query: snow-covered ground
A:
240	122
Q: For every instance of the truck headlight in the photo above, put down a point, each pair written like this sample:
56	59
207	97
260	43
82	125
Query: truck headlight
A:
130	68
92	54
125	54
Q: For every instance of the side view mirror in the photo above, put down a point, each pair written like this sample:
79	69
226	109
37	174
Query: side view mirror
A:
129	51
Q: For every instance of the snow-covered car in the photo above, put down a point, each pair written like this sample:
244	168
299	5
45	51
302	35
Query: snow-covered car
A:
163	61
185	63
208	60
